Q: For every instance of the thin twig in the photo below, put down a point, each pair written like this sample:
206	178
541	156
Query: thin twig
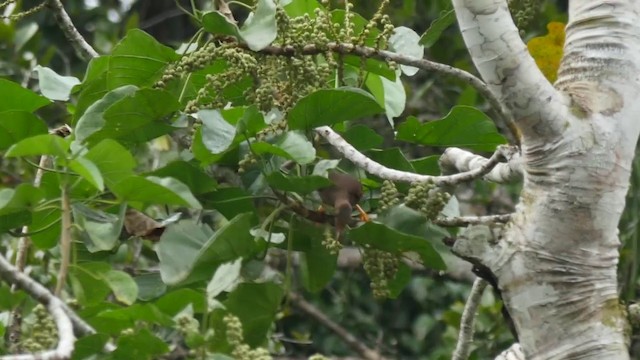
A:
375	168
80	45
471	220
65	241
465	338
363	350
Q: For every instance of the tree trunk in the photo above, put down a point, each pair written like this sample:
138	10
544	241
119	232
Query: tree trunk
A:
555	264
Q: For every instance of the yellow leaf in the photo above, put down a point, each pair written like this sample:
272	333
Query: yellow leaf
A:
547	50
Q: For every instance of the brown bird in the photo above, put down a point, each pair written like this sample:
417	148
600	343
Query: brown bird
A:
343	195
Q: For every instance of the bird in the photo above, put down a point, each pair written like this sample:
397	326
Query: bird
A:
343	196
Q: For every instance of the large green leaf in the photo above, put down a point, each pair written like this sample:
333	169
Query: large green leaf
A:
124	288
88	284
93	119
16	125
155	190
258	31
217	133
391	157
88	171
332	106
297	8
260	28
113	160
362	137
318	264
190	175
436	28
138	59
299	148
403	230
256	306
16	205
464	126
15	97
174	302
128	114
189	252
229	201
54	86
389	94
139	117
98	230
298	184
150	286
140	345
405	41
46	144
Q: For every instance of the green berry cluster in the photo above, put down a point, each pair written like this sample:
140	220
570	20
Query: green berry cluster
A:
381	266
524	11
42	334
189	63
242	351
389	195
330	242
318	357
427	198
246	162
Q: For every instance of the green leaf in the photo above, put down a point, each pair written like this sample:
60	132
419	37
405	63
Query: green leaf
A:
318	264
362	137
138	59
174	302
192	176
400	280
297	8
16	125
229	201
251	122
218	24
261	148
155	190
16	205
297	184
260	28
389	94
427	165
113	160
93	119
137	117
98	230
88	346
402	231
464	126
87	282
436	28
299	148
54	86
226	277
188	252
332	106
46	144
88	171
150	286
141	345
391	157
256	306
217	133
15	97
406	42
123	286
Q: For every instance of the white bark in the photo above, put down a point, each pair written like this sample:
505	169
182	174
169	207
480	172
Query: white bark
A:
556	263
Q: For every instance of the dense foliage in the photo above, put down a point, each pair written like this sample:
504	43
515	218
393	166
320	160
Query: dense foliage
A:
181	209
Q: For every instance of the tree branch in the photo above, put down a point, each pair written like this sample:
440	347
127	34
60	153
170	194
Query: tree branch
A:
80	45
465	338
455	160
375	168
471	220
349	49
11	275
65	241
355	344
513	353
